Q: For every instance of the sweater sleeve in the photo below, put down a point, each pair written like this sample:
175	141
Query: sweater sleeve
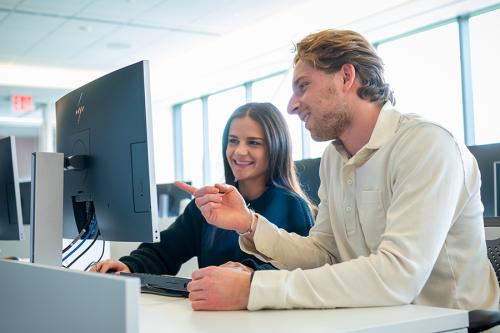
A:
287	211
287	248
178	243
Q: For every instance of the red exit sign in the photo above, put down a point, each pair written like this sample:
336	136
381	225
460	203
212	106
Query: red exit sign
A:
22	103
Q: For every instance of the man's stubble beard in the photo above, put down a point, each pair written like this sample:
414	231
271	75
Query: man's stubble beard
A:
333	124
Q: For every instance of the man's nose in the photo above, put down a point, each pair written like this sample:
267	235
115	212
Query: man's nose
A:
293	105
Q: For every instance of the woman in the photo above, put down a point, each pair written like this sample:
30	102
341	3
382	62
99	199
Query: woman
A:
257	160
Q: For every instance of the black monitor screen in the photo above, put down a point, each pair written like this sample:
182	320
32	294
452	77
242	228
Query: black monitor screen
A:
488	160
109	121
11	220
25	192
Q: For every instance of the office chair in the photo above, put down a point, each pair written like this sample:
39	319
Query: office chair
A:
493	247
308	174
481	320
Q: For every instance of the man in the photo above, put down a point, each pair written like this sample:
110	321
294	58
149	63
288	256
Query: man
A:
400	219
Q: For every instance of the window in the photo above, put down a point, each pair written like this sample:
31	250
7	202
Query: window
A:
485	66
220	107
316	148
163	144
278	90
424	71
266	90
192	142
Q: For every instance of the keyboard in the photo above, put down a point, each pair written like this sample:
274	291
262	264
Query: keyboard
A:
165	285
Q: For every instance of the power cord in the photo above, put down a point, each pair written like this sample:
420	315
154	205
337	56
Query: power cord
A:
93	224
93	263
84	251
84	230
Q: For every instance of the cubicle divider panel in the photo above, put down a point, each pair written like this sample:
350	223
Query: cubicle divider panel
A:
38	298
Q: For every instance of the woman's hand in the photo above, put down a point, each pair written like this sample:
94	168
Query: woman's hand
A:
221	205
110	265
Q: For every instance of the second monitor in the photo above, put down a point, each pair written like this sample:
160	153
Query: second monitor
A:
170	198
11	221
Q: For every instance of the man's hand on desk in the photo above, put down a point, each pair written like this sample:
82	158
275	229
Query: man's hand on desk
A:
219	288
110	265
237	265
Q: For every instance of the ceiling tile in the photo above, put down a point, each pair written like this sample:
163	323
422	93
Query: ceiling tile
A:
64	43
81	34
59	7
32	23
3	16
121	10
176	13
15	43
9	4
234	16
135	37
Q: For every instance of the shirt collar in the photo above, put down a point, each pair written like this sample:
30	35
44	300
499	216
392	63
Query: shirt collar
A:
385	128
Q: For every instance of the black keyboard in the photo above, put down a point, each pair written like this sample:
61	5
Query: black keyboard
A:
165	285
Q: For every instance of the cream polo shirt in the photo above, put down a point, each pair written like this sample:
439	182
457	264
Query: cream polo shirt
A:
399	222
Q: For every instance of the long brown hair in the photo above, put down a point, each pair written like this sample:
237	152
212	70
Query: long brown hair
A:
281	168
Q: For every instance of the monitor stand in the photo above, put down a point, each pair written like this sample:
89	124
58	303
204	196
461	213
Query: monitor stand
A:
46	219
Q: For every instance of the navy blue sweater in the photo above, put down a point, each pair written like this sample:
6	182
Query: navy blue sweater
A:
191	236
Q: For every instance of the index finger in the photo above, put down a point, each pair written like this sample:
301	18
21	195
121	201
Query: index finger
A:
185	187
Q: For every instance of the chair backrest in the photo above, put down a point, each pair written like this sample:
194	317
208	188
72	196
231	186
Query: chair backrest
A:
493	247
488	160
308	173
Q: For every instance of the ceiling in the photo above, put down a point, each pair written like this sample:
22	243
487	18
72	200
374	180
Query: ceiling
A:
99	34
103	35
189	43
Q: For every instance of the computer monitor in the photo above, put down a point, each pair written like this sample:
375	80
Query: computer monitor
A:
25	193
488	160
169	199
20	248
108	122
11	220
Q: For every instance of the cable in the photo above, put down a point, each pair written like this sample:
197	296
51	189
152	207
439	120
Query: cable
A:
93	263
84	230
102	253
84	251
91	230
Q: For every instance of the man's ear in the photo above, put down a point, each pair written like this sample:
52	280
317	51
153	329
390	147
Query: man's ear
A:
348	75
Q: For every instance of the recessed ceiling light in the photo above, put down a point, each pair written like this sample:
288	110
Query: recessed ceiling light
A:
118	45
85	28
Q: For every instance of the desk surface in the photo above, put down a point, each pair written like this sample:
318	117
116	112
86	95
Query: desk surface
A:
176	315
118	307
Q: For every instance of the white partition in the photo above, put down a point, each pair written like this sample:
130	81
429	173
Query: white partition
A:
37	298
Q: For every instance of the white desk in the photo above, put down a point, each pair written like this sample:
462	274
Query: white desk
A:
37	298
175	315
